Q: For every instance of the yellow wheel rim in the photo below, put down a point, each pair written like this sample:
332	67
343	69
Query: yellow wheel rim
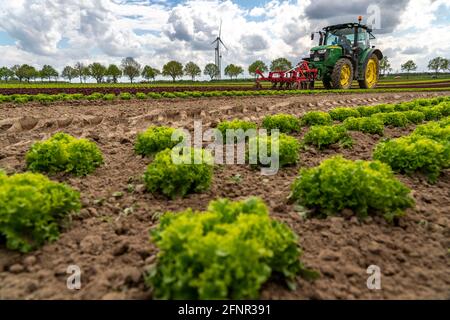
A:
345	75
371	73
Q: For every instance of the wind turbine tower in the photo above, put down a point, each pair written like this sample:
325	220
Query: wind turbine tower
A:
218	54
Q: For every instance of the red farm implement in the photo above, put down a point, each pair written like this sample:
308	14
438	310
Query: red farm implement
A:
299	77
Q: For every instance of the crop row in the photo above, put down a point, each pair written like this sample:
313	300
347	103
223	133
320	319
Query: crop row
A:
117	90
111	94
370	119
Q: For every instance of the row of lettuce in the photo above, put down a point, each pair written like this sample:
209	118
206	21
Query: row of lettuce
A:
231	249
97	96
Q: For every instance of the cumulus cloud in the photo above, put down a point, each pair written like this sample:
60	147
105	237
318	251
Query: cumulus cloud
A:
180	25
101	26
38	26
257	12
254	42
348	11
61	32
414	50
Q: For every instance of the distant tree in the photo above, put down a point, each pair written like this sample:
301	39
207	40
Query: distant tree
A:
79	67
173	69
149	73
69	73
113	72
131	68
192	70
238	71
6	73
14	69
41	75
232	70
280	64
385	65
211	70
445	65
48	72
33	73
437	64
17	72
258	64
85	73
97	71
409	66
26	72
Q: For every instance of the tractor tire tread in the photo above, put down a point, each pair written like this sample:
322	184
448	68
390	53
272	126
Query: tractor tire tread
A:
362	83
336	74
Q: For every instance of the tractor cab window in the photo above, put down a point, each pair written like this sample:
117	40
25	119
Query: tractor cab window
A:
363	39
343	37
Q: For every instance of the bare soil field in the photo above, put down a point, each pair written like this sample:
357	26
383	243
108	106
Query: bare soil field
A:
109	239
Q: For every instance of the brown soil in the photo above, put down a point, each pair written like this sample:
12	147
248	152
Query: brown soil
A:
110	242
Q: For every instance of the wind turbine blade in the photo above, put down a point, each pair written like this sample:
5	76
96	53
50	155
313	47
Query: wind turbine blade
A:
223	44
220	28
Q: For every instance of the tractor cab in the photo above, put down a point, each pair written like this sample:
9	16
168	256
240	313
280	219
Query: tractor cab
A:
345	54
345	36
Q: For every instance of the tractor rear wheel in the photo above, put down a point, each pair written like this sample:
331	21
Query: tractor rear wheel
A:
342	75
371	73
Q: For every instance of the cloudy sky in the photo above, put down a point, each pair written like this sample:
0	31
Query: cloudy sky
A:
62	32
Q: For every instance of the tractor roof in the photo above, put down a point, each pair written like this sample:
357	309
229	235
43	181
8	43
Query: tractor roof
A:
347	25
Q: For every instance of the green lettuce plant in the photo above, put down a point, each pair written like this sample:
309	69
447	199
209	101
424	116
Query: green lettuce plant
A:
64	153
340	114
285	123
182	176
316	118
288	148
395	119
414	153
370	125
155	139
32	208
125	96
227	252
322	136
439	131
367	111
141	96
365	187
415	117
235	124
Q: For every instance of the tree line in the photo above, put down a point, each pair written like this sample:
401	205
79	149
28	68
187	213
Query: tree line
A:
436	64
132	69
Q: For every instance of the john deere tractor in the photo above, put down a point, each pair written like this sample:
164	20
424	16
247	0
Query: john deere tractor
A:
344	54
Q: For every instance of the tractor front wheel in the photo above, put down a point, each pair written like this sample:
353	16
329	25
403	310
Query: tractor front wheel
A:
342	75
371	73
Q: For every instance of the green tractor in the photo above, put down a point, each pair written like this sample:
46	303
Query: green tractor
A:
344	54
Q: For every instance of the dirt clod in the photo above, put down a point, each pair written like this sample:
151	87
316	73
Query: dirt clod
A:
16	268
92	244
